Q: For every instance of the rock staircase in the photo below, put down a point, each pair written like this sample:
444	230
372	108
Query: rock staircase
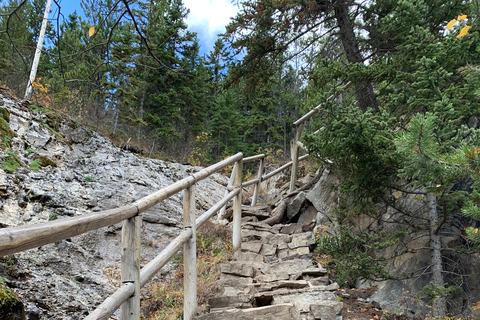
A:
273	276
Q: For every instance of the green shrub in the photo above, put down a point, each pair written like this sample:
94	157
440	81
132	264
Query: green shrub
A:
36	164
352	257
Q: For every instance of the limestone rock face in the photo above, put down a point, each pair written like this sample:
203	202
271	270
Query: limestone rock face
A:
66	280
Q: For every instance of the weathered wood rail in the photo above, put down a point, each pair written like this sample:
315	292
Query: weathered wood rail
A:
127	296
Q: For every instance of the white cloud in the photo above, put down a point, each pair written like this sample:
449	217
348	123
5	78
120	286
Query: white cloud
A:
212	15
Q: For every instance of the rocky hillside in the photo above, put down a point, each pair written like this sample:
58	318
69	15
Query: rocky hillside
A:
53	168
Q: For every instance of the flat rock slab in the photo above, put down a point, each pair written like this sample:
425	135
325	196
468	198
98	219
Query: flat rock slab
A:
292	284
237	269
261	212
270	277
294	207
268	249
238	283
301	240
288	228
247	256
254	235
320	281
276	239
300	251
259	226
251	246
278	312
303	301
241	301
327	310
290	267
318	272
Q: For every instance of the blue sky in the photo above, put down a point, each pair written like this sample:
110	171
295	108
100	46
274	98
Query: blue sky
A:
207	18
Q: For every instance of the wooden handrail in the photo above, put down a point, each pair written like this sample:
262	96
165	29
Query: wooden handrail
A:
16	239
21	238
254	158
309	114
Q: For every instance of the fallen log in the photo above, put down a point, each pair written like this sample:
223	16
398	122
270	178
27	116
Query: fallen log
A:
277	214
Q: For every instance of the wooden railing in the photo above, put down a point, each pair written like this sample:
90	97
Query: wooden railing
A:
296	144
16	239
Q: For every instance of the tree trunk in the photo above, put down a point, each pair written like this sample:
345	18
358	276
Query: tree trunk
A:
363	91
439	305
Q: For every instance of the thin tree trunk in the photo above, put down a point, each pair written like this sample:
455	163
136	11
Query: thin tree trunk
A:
38	51
439	305
363	91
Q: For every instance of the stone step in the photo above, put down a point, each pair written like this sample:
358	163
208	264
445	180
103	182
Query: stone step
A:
286	311
272	276
303	299
241	301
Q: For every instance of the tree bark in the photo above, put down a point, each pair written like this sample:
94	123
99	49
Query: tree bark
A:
439	305
364	93
277	213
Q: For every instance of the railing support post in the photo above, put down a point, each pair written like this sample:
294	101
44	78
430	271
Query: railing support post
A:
294	149
131	266
257	185
190	255
237	205
221	213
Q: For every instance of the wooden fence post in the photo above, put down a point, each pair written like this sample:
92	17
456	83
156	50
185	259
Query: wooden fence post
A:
131	266
257	185
237	206
295	152
190	255
221	213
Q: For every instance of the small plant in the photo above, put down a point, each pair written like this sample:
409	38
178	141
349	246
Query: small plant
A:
52	216
7	141
10	165
55	133
9	302
72	279
5	114
432	292
36	165
45	161
90	179
39	109
30	150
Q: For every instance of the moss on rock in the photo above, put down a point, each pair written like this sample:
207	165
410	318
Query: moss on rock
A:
5	114
45	161
11	307
6	134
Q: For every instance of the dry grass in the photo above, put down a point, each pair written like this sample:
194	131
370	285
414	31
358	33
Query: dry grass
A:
213	248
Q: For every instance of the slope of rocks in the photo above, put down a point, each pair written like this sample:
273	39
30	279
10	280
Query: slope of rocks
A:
87	173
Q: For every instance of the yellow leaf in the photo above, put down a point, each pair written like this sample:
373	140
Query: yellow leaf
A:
462	17
450	24
463	31
91	31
